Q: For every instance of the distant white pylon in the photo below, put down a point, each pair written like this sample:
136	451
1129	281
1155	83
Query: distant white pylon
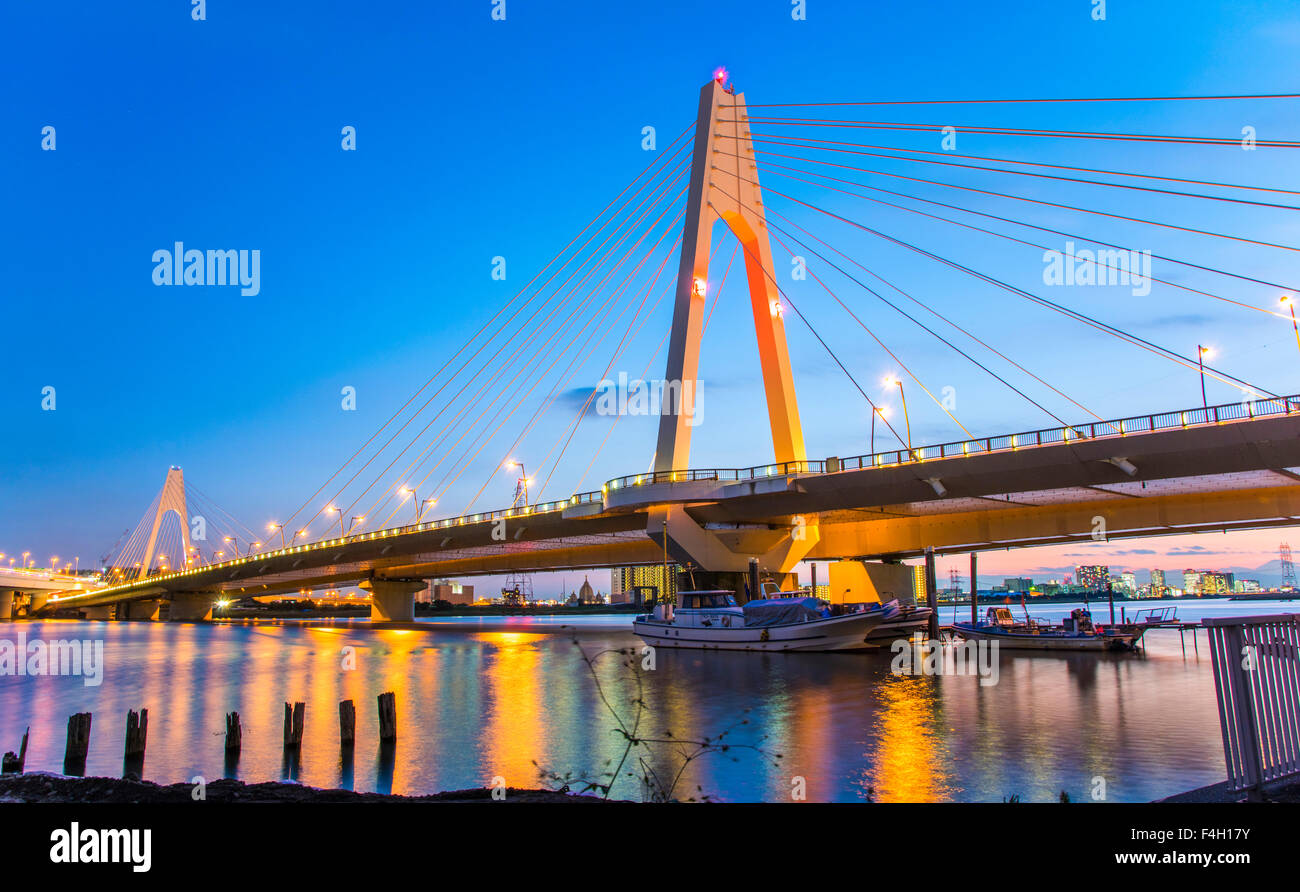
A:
171	499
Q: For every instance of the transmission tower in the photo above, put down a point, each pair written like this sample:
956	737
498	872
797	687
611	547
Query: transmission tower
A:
1288	568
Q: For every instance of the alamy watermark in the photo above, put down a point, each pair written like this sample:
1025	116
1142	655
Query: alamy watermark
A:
61	657
917	656
194	267
1084	266
622	396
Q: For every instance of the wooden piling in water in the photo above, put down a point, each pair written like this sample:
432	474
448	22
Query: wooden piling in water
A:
294	719
347	723
387	717
931	593
234	733
74	754
137	731
12	763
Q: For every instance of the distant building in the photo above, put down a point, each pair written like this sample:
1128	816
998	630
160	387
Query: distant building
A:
625	581
446	590
918	584
1018	583
1092	579
587	595
1129	580
1192	582
1158	587
1246	586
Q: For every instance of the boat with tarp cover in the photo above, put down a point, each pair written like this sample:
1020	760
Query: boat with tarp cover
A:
713	620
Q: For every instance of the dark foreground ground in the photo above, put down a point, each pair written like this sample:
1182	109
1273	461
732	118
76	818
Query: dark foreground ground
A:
56	788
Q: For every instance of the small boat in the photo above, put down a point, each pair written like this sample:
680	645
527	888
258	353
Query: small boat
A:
902	621
1077	632
713	620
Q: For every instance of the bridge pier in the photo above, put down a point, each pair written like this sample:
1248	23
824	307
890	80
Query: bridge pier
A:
393	600
147	608
7	604
191	607
103	612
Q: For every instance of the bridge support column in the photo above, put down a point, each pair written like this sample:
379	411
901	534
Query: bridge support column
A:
393	600
191	607
6	604
148	609
103	612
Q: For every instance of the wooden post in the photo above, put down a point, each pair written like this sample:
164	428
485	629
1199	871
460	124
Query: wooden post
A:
814	580
347	723
294	719
387	717
234	733
74	754
974	592
13	764
137	730
931	592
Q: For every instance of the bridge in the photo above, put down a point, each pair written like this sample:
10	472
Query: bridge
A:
1205	468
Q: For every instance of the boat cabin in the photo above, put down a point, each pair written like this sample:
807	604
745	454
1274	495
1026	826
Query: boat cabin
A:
705	600
999	616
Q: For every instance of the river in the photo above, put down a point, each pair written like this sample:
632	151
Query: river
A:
503	697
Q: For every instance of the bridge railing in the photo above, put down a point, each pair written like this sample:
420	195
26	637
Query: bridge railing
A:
1093	430
1257	684
1096	430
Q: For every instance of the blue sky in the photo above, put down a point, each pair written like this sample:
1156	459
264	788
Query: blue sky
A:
479	138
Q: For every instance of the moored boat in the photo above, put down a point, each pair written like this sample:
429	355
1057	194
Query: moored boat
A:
1077	633
713	620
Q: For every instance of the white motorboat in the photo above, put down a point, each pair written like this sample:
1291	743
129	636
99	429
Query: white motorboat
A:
713	620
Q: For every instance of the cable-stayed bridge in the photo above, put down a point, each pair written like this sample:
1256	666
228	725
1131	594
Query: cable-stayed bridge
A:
1082	476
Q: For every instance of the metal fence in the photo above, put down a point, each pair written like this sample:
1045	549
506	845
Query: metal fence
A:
1257	682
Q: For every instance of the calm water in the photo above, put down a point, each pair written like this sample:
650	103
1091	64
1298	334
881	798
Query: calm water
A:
482	698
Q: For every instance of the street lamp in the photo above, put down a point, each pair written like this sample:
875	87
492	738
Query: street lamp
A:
353	521
883	412
889	382
406	492
333	509
273	528
522	485
234	543
1203	353
419	515
1289	302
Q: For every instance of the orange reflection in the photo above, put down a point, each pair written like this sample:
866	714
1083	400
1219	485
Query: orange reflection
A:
515	726
908	758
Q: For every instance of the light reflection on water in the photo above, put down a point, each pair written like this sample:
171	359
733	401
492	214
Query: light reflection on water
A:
480	698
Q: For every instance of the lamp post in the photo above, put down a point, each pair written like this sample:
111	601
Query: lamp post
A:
1201	354
906	419
522	485
353	521
883	412
334	509
273	528
407	491
1289	302
419	515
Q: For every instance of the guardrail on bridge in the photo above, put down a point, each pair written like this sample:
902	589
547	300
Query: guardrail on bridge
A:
1257	682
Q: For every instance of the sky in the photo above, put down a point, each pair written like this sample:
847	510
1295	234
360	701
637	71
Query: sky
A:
478	138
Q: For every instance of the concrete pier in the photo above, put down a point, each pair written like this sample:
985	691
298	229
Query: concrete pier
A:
146	608
6	604
393	600
192	607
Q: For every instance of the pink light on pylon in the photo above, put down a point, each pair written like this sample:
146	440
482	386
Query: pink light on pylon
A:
720	74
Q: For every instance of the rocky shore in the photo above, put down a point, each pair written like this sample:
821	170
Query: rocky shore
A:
39	787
